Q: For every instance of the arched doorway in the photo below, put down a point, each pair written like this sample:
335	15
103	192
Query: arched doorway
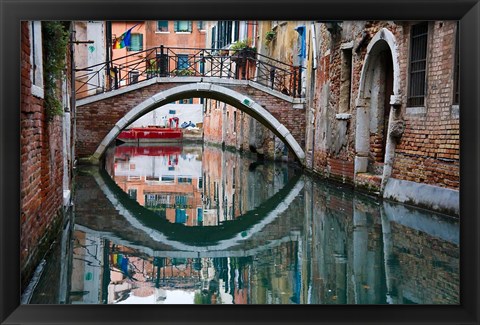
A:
378	93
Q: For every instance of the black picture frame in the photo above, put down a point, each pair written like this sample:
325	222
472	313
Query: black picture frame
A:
12	12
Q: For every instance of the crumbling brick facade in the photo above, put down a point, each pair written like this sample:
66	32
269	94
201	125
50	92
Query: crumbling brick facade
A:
428	150
41	196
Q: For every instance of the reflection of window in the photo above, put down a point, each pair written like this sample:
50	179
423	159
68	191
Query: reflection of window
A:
152	178
132	193
186	101
182	26
162	25
168	179
136	43
182	61
186	180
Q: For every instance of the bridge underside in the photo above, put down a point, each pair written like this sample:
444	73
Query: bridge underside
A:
102	117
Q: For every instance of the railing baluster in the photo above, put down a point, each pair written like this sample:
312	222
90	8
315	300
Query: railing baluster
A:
203	62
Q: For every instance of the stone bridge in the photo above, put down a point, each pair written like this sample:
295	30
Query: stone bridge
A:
100	118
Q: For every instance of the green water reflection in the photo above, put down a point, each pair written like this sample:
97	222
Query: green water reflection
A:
198	225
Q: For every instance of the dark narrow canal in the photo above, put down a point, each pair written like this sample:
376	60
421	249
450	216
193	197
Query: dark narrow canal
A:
192	224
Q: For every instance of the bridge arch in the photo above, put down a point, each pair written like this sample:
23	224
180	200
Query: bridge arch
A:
206	90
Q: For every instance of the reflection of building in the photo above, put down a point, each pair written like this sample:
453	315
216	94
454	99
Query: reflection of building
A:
87	262
169	183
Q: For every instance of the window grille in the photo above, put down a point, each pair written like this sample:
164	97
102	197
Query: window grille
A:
456	83
418	64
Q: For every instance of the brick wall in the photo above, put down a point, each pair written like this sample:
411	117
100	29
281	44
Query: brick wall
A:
428	151
41	171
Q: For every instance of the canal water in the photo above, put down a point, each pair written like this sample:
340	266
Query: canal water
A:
194	224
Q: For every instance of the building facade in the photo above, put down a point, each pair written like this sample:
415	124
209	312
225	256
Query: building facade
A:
46	155
384	109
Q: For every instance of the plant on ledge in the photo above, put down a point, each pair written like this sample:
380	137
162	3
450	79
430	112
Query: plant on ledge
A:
183	72
240	46
270	36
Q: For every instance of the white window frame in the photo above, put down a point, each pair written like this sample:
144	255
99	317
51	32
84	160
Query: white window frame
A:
36	56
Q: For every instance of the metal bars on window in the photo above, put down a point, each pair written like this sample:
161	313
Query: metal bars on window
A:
418	64
456	67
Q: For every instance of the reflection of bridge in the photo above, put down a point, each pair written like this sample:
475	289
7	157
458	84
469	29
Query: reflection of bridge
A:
141	225
264	88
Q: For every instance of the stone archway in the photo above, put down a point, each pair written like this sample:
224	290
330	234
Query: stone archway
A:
206	90
376	106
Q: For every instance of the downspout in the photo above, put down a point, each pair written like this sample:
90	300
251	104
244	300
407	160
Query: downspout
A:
314	45
73	108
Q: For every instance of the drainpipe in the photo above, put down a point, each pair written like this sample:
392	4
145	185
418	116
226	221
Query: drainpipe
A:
314	45
73	109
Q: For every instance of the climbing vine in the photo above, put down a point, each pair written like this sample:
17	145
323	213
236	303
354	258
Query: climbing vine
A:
55	41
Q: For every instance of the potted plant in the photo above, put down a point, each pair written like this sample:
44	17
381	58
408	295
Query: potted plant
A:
241	50
270	36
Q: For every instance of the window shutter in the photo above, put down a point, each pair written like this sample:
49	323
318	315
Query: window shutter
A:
214	36
189	25
175	25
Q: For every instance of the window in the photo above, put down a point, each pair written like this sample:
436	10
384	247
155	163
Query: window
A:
133	77
136	43
223	36
345	80
36	58
162	25
200	25
182	61
418	65
182	26
456	67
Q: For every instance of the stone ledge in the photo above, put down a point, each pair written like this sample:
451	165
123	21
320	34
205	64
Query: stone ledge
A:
343	116
431	197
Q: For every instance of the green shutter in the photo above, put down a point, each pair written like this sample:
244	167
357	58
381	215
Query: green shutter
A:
175	26
189	25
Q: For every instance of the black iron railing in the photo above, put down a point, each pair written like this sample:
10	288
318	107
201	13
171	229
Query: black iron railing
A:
181	62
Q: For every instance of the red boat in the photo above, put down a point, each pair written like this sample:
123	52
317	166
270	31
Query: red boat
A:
151	134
